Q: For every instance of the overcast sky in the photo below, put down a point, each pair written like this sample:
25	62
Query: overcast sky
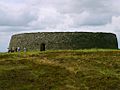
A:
19	16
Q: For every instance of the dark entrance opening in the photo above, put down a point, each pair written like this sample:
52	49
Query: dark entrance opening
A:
42	47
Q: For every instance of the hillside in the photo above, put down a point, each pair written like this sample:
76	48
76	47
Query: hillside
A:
60	70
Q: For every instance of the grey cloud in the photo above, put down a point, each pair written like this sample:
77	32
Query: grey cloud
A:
9	20
13	17
100	13
13	29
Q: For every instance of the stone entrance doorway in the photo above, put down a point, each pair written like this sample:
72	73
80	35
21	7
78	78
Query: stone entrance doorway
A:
42	47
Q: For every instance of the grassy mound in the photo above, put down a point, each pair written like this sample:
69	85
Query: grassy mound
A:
60	70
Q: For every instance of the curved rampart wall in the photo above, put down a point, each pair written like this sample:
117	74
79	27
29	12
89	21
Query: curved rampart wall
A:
64	40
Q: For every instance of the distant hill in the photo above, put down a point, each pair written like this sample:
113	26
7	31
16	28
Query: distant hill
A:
61	70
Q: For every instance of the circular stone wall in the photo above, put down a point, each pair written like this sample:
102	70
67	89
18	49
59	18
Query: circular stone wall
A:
64	40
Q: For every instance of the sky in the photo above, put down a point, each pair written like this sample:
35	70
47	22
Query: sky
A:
21	16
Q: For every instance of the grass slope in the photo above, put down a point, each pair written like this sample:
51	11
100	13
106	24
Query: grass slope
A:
61	70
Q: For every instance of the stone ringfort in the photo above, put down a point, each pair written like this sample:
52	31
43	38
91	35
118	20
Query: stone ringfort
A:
64	41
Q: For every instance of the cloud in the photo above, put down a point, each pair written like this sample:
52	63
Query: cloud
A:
17	15
115	24
81	12
4	41
44	14
51	18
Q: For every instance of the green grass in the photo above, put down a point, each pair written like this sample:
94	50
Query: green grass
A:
93	69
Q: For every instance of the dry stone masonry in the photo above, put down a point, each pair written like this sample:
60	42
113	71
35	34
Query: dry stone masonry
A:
64	41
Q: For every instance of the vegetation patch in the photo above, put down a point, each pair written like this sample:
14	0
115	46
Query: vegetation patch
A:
61	70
